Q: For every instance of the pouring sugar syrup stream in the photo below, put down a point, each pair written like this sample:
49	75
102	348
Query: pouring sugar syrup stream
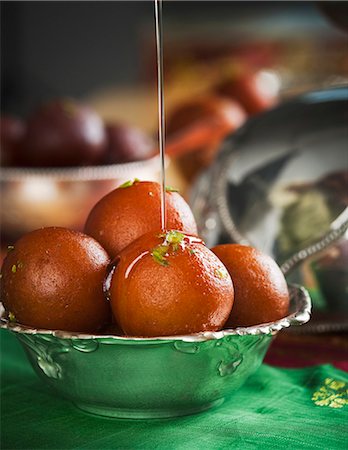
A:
171	236
161	111
161	140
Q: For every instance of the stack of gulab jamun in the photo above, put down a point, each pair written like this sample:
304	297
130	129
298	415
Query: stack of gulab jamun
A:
126	275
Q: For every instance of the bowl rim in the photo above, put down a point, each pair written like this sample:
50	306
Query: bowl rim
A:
300	301
82	173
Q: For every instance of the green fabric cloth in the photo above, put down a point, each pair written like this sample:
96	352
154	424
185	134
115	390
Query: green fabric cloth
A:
274	409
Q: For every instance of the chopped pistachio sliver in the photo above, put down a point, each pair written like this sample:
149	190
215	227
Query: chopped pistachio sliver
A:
171	189
174	238
14	268
11	317
126	184
159	254
129	183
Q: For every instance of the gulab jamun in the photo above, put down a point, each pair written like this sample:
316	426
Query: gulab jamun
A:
134	209
227	113
261	293
167	284
127	144
256	91
12	131
63	133
52	278
200	124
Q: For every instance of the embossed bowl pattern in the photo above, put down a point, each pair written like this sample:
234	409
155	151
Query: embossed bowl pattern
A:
152	377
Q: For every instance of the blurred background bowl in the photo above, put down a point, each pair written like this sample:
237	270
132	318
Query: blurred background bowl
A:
34	198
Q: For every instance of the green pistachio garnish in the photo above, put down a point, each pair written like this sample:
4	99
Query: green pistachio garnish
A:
159	254
14	268
172	240
129	183
126	184
11	317
171	189
10	248
192	252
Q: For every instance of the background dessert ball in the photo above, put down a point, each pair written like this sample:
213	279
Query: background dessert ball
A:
126	144
53	278
12	130
134	209
256	91
261	293
226	113
63	133
201	124
169	284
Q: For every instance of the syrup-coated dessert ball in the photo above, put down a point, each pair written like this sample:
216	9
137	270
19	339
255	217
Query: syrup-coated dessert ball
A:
255	91
261	293
63	133
134	209
169	284
127	144
52	278
227	114
201	124
12	130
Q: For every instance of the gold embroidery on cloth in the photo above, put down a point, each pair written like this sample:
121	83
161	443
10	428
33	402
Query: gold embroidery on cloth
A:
333	393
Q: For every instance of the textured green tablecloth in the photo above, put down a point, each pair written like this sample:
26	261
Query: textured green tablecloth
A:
276	408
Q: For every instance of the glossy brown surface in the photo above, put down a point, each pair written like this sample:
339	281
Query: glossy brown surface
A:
63	133
261	293
12	130
53	279
200	125
188	292
126	144
254	95
127	213
227	114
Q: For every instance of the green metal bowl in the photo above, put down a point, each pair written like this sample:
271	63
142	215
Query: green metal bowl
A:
161	377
